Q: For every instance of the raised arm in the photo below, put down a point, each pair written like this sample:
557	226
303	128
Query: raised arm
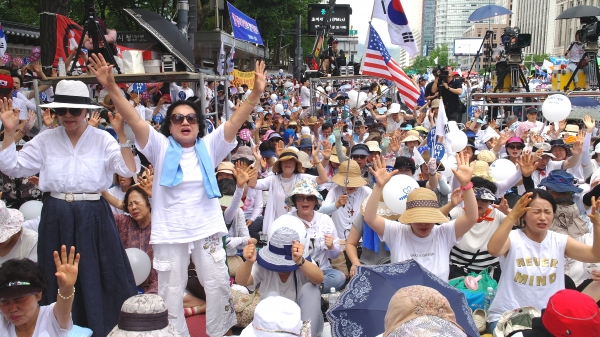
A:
464	173
382	176
499	243
580	251
322	178
241	114
67	268
104	74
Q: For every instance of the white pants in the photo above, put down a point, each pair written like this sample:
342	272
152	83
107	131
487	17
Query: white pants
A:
171	262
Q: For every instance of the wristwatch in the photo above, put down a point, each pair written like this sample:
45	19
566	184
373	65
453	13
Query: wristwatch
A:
301	263
126	144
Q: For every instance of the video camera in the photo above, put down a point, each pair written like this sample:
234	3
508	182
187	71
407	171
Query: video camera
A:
591	29
514	41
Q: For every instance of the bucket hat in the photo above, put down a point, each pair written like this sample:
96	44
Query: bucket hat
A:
144	315
11	222
305	143
482	193
71	94
571	313
572	129
422	207
243	152
417	303
411	135
276	316
394	109
304	186
288	154
277	256
226	167
354	177
560	181
560	143
486	156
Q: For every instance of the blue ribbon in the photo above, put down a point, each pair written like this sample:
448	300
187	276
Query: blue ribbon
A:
172	174
285	251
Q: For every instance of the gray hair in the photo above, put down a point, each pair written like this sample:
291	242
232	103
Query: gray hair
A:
511	119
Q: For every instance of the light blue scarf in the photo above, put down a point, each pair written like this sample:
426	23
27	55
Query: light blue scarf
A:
172	174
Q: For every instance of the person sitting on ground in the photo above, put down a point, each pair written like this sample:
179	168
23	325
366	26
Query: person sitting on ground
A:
428	244
284	268
22	282
277	315
16	242
323	241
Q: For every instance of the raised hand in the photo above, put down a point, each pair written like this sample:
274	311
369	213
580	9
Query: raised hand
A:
522	206
67	267
260	77
31	118
456	197
527	163
47	118
103	71
117	122
250	253
505	137
394	144
315	152
562	125
503	206
146	180
9	116
464	171
327	149
297	251
94	119
243	174
382	176
256	153
279	148
577	147
589	123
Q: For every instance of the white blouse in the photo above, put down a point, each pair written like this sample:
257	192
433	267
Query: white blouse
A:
86	168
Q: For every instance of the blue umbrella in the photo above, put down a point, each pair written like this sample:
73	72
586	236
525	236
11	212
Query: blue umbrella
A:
583	101
488	11
361	308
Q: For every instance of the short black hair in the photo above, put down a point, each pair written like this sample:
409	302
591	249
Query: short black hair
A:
326	126
23	270
135	188
482	182
164	128
541	194
405	162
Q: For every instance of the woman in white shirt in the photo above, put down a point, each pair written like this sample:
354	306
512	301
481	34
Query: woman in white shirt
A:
323	243
532	258
186	215
423	240
22	283
289	170
121	185
76	162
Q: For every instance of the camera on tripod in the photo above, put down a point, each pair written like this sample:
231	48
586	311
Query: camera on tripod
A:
514	42
590	30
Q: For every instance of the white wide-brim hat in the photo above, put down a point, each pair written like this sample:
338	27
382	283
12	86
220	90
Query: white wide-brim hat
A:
71	94
275	316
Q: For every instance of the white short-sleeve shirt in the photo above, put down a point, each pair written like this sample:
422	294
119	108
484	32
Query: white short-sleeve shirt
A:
46	325
431	252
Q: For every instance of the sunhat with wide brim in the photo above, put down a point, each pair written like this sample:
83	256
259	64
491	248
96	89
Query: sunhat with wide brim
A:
560	181
144	315
225	167
287	155
422	207
354	177
277	316
277	256
382	209
71	94
11	222
305	186
304	159
482	169
334	157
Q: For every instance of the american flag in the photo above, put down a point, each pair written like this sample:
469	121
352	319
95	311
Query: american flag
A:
378	62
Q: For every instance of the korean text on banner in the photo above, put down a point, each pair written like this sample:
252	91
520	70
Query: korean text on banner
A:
240	77
244	27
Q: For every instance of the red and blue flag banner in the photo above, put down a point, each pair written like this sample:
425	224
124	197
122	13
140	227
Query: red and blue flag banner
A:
379	63
392	12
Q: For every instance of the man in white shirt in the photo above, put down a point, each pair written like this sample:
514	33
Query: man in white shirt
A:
182	92
305	94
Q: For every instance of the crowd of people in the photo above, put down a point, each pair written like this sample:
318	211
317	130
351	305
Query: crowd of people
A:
271	194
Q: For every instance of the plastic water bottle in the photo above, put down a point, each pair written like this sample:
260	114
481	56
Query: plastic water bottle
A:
62	69
333	297
489	297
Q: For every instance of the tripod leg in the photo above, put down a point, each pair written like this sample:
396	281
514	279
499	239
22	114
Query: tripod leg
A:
106	46
523	80
74	61
501	76
572	78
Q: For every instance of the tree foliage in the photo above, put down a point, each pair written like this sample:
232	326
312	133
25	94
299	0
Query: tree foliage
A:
421	63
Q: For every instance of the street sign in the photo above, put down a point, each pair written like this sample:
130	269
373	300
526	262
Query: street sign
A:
339	21
353	32
132	37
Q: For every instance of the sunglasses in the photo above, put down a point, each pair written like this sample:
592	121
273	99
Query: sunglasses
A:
514	147
75	112
178	118
359	156
301	198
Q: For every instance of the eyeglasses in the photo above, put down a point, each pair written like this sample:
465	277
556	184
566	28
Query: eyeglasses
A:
178	118
359	156
301	198
514	147
75	112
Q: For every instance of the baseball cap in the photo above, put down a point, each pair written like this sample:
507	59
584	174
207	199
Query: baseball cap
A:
571	313
6	83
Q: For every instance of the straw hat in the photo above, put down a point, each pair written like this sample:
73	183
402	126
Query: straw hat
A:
486	156
144	315
226	167
412	135
313	120
11	222
71	94
304	159
334	157
382	209
304	186
435	103
482	170
422	207
288	154
354	177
